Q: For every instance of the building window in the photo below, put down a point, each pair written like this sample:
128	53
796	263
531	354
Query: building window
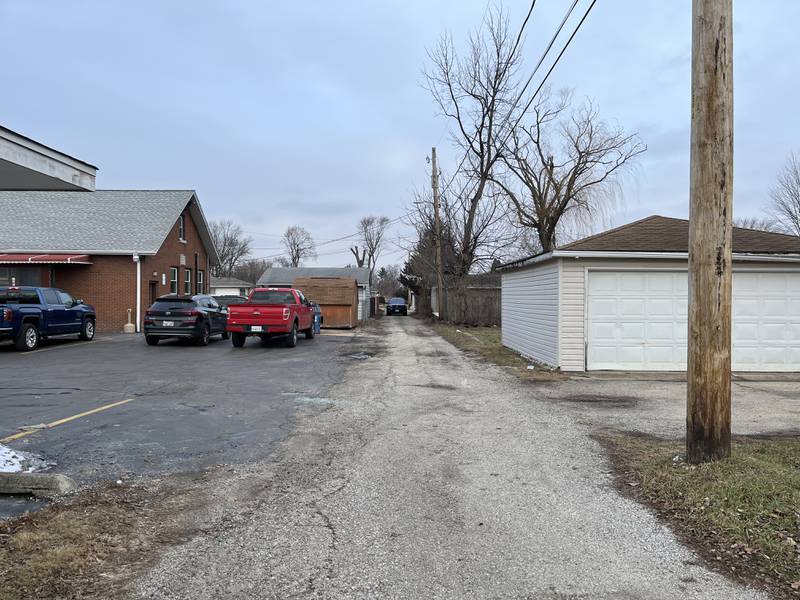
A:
201	279
173	280
187	282
182	228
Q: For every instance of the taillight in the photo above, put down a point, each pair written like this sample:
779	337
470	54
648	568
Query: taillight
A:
285	314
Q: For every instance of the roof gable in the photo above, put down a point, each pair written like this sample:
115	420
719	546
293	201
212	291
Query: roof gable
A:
100	222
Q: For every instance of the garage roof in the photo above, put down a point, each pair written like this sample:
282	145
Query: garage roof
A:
665	234
101	222
287	275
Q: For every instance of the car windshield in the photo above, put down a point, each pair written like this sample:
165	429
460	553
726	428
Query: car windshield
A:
396	301
18	296
272	297
173	304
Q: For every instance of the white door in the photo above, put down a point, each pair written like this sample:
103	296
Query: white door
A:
637	321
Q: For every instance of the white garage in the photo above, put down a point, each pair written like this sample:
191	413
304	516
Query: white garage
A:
619	301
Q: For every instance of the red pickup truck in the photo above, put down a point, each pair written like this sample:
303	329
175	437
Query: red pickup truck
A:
269	312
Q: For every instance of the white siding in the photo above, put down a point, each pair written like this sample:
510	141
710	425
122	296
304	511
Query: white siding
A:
363	302
529	313
572	316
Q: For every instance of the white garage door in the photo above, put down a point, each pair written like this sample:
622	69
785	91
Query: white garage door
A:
637	320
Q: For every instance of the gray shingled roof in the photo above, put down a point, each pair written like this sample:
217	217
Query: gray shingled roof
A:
100	222
286	276
229	282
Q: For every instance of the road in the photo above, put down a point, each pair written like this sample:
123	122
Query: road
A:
431	475
189	407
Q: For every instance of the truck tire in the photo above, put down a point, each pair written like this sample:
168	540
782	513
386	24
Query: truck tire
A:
238	339
87	330
291	339
151	340
28	338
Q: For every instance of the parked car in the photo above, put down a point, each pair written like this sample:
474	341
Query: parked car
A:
31	314
196	318
228	300
396	306
271	312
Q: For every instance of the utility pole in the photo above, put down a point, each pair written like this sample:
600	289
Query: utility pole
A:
708	402
437	224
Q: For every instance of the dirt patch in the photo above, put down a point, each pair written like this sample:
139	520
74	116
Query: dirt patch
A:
741	515
90	545
601	401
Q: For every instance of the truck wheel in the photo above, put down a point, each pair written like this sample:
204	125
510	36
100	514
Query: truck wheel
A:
28	338
238	339
87	330
291	339
310	332
151	340
205	335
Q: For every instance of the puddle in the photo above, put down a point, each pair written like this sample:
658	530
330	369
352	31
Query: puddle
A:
360	356
314	401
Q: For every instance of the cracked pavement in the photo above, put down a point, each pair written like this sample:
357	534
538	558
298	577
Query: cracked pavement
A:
430	474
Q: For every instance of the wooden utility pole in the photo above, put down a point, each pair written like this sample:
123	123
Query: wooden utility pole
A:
708	403
437	224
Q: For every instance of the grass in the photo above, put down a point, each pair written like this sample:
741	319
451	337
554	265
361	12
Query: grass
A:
742	514
486	343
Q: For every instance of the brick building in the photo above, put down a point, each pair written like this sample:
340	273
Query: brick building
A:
115	249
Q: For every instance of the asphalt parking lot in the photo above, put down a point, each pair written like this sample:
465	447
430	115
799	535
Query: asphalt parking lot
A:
169	408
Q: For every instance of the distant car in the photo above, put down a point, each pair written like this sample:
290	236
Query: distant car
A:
196	318
30	314
228	300
396	306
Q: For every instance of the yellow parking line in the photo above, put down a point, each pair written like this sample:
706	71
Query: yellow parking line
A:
22	434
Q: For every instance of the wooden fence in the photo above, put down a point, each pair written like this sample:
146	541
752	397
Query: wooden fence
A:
473	305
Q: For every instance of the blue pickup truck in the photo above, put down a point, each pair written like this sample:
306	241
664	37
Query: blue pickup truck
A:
30	314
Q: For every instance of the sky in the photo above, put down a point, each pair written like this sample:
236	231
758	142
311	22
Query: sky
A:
314	113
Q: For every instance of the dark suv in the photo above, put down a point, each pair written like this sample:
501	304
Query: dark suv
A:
396	306
196	318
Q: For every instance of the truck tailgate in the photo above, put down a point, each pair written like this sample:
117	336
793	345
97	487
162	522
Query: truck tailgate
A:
267	315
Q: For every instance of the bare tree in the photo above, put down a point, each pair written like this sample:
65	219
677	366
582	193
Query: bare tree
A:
478	92
299	245
785	195
251	270
562	168
372	231
757	223
231	244
388	280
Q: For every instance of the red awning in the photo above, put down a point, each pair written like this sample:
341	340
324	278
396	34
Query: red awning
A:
44	259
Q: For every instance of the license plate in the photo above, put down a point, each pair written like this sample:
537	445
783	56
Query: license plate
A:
168	323
256	328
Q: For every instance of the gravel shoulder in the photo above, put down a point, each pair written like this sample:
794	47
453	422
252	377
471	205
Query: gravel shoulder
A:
430	474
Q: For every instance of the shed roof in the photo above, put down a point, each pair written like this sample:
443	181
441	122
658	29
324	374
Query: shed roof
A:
230	282
287	275
100	222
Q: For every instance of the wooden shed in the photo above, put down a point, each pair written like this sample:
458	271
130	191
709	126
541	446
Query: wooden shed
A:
336	296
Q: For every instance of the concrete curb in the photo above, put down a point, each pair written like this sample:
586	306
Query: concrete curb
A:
40	485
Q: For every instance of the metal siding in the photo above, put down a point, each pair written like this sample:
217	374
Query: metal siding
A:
529	315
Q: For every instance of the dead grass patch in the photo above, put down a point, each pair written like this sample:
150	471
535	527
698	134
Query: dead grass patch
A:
741	514
88	545
486	343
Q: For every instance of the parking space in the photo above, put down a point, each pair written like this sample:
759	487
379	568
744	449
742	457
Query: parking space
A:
120	407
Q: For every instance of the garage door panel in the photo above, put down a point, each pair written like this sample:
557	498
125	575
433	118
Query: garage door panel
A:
637	320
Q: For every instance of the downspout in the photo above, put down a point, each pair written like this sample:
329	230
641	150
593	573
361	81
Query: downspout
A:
138	262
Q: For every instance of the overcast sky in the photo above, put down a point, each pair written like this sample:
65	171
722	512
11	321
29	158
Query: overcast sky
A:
312	113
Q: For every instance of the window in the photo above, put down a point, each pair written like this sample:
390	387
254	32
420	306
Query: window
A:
65	299
272	297
201	279
51	297
187	282
173	280
19	297
182	228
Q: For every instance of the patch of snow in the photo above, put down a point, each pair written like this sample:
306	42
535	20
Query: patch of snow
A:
13	461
